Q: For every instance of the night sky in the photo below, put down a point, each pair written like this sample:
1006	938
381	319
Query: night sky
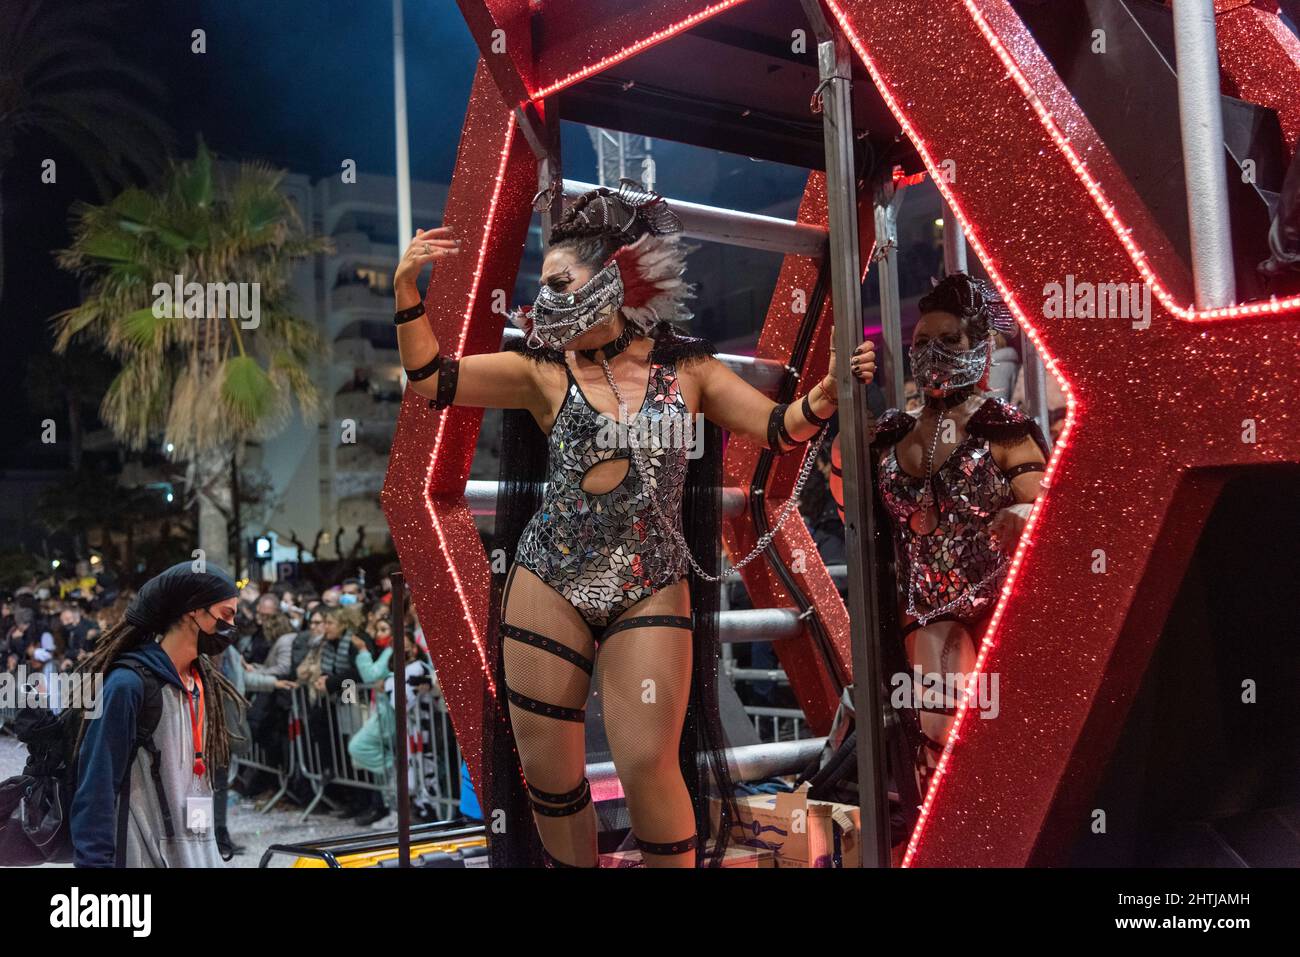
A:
300	84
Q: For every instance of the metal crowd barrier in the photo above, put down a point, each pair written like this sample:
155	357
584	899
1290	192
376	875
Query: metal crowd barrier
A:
316	751
258	760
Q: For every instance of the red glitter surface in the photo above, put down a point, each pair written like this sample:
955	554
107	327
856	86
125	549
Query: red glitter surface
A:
1261	57
488	206
1155	426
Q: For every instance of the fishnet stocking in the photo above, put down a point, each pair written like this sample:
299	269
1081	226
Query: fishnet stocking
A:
939	648
644	682
552	750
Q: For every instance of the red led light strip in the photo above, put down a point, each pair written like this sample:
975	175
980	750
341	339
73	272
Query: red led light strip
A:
1136	255
442	419
1122	232
1072	405
606	62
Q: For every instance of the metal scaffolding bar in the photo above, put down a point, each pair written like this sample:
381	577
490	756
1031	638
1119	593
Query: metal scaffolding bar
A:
1200	110
734	228
954	243
859	526
750	762
891	371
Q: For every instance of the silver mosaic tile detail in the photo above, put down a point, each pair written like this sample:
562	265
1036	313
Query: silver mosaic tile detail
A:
605	551
959	554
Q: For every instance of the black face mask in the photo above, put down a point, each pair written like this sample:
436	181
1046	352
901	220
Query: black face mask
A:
215	642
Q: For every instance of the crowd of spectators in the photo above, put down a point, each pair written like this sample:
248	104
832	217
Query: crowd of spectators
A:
290	637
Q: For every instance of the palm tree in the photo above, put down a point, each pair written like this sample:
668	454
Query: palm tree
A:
195	379
59	76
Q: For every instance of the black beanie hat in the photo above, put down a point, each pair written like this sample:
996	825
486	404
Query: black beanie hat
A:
164	598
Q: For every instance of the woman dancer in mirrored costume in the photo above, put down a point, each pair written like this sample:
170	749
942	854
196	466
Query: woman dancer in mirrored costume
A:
958	479
602	393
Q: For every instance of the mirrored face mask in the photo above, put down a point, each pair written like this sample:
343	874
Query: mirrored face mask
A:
560	317
936	366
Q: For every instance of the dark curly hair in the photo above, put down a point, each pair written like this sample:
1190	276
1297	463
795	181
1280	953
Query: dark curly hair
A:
596	226
974	302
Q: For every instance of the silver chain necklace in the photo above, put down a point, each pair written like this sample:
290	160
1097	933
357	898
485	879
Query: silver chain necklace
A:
764	540
922	510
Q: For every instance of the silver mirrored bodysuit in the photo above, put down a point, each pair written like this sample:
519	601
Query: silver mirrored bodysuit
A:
605	551
959	562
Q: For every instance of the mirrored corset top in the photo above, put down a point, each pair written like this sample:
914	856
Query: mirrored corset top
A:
958	562
605	551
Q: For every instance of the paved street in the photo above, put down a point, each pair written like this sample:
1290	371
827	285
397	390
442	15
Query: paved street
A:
253	830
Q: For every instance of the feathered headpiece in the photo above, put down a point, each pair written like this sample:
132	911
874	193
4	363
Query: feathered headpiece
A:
651	265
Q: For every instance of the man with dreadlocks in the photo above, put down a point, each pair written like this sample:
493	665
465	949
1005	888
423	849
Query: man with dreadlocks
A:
603	394
156	811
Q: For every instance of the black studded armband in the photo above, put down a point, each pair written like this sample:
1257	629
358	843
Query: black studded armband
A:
776	430
447	374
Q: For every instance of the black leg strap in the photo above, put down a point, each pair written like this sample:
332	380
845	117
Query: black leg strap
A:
563	804
647	621
555	797
549	710
553	861
673	847
547	644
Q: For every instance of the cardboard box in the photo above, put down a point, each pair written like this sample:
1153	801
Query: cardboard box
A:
734	857
798	832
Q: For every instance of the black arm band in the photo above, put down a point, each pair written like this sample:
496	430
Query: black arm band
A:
406	315
806	408
426	370
776	430
447	383
1024	467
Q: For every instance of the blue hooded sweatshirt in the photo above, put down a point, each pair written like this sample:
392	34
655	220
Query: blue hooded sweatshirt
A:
103	762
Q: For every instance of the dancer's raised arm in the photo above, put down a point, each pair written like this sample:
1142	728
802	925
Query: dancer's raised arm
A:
498	380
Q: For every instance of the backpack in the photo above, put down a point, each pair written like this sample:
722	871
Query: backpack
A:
35	805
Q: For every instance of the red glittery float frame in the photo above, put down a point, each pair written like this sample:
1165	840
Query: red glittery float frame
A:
1155	425
1040	199
1257	53
488	204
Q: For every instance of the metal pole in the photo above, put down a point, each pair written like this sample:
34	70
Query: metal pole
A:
735	228
398	661
954	243
405	227
1036	387
1201	122
887	200
542	130
859	524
